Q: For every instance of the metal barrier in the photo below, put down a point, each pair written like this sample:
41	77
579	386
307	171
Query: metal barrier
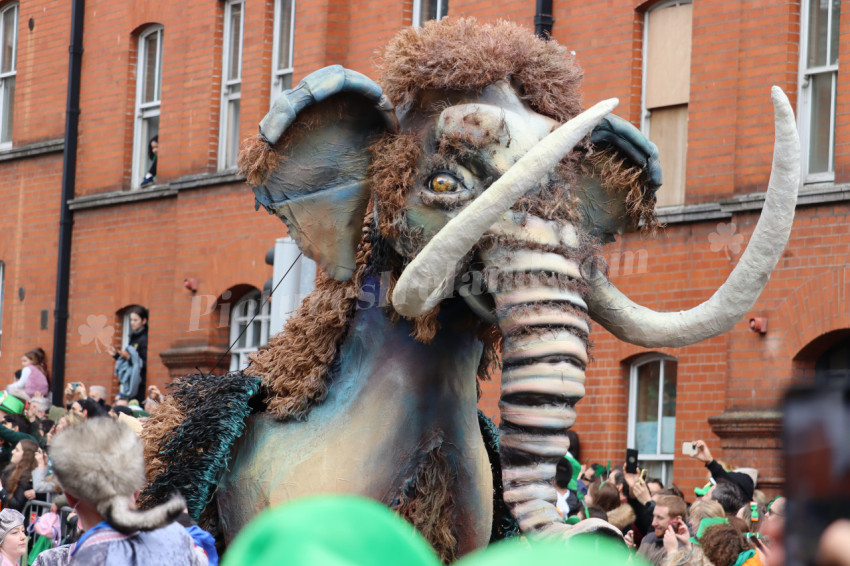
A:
34	509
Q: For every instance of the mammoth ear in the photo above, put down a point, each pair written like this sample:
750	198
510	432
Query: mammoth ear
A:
622	175
315	153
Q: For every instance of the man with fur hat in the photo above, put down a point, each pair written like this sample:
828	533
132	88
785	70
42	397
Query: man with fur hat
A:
100	467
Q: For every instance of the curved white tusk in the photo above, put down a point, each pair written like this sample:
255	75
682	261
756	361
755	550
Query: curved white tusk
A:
427	279
639	325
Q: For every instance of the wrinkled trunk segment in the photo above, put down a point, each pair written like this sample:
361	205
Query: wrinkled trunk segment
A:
542	314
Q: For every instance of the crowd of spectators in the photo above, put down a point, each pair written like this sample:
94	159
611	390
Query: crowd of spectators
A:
77	465
727	522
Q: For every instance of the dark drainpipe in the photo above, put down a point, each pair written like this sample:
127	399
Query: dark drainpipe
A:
66	221
543	19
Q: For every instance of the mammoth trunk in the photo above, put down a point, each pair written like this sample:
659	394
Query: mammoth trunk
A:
539	296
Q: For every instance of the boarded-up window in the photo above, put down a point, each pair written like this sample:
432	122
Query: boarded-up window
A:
667	73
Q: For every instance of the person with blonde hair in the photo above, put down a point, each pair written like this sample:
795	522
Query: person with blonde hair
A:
689	554
100	467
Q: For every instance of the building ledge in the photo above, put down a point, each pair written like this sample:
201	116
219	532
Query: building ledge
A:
32	150
809	195
747	424
164	190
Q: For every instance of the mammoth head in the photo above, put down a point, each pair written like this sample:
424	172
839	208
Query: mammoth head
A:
467	140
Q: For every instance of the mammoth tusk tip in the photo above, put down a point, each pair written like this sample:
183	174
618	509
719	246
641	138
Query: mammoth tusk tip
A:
777	94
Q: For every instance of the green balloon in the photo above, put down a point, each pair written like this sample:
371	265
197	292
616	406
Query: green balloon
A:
330	530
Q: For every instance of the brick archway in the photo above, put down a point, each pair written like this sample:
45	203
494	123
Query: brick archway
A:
816	307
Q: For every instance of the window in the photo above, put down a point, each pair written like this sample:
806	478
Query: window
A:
2	281
652	414
424	10
284	40
666	92
818	77
148	89
251	334
126	330
231	84
8	70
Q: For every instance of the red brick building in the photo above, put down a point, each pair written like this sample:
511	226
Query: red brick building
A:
201	74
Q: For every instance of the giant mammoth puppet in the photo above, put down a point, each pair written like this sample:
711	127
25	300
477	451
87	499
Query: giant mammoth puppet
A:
457	223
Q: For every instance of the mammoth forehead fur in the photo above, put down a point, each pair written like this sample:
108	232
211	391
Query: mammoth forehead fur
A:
463	54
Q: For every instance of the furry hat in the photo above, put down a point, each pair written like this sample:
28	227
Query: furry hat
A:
9	519
100	461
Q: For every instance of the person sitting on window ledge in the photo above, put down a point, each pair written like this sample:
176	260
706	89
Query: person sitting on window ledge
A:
153	150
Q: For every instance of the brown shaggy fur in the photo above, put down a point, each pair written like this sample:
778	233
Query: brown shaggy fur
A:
625	180
393	171
295	366
466	54
428	505
257	159
163	422
491	357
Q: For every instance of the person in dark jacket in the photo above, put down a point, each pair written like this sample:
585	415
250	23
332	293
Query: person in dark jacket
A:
139	341
16	482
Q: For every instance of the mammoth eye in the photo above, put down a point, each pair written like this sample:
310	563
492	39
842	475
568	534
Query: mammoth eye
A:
443	183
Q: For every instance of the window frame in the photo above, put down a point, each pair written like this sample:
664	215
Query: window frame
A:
416	20
227	85
279	74
664	458
805	84
11	74
239	356
145	110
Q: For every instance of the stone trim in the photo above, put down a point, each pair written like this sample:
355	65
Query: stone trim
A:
32	150
183	360
207	180
113	198
809	195
163	190
747	424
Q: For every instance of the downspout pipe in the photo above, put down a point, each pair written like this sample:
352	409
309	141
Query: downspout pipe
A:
543	19
66	220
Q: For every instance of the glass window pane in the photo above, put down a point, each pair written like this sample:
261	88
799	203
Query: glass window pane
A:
283	53
150	128
243	338
7	112
149	93
10	28
235	42
427	10
232	134
820	134
818	30
257	334
668	409
646	422
834	32
285	82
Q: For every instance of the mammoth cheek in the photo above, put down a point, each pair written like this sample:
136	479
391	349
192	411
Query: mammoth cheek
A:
420	225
